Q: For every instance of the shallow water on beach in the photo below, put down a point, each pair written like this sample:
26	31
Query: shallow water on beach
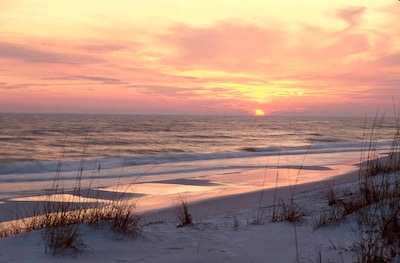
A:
147	148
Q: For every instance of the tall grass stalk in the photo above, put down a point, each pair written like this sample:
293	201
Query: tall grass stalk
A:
63	213
274	209
183	215
289	211
376	200
258	220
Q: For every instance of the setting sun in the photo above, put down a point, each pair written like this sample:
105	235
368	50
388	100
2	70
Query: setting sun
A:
259	113
210	57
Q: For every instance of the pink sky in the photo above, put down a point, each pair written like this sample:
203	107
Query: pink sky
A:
308	57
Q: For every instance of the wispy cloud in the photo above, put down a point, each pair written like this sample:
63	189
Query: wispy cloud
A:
231	44
8	86
102	80
36	55
351	15
390	60
164	90
102	48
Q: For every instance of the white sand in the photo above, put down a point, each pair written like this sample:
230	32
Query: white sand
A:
223	207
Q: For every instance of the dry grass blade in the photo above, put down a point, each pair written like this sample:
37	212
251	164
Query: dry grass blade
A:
62	215
183	215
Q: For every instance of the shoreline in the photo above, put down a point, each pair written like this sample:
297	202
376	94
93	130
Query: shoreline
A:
229	224
238	200
160	196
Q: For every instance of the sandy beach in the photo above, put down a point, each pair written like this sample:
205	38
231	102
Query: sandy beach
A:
224	208
159	193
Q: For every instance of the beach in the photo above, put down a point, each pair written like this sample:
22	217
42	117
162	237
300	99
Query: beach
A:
224	208
24	195
260	193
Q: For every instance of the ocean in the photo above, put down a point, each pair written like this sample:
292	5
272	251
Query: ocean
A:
36	147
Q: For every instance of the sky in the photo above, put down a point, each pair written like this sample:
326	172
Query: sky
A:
213	57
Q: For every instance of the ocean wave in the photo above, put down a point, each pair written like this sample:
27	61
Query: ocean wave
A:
9	166
260	149
326	139
199	136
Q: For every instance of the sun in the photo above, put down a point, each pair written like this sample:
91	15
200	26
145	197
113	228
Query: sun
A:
259	113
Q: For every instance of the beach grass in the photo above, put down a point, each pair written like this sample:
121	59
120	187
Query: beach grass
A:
375	200
288	210
182	213
64	212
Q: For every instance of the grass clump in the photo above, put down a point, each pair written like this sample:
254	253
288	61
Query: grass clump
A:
62	221
65	211
375	201
330	216
183	215
236	224
62	238
331	195
288	211
120	218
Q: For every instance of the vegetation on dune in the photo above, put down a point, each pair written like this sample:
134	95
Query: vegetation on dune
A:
62	215
375	201
182	213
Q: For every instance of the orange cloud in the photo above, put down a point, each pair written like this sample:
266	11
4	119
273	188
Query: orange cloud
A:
351	15
232	45
233	65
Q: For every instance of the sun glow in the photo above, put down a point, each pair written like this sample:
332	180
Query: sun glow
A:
191	59
259	113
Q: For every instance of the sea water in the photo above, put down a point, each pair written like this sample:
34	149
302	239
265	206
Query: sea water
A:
34	148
